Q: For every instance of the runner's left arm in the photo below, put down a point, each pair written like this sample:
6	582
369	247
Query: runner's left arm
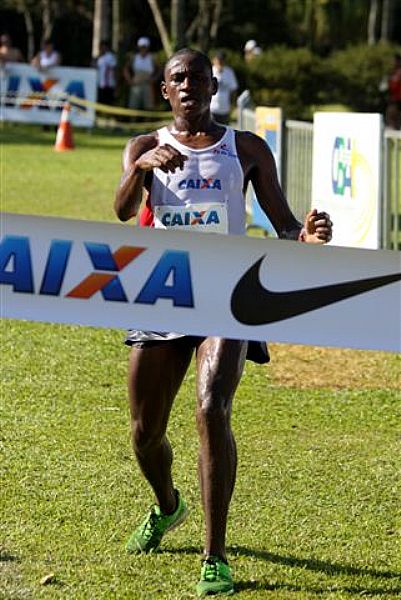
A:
260	169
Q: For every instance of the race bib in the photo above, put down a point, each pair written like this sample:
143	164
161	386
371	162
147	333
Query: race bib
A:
204	217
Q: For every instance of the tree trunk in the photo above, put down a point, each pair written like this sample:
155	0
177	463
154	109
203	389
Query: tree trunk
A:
214	27
386	28
177	24
204	25
374	7
115	41
158	17
101	24
29	29
47	20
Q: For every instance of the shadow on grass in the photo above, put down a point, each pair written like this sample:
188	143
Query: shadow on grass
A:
312	564
242	586
6	556
293	561
303	563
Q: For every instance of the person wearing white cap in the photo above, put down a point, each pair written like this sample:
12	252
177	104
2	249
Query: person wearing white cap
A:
139	73
251	49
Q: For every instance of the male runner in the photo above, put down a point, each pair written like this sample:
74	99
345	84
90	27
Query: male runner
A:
195	162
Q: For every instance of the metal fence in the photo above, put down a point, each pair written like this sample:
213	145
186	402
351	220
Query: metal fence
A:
297	173
297	167
391	213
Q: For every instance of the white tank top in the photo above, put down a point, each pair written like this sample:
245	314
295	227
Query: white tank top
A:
207	194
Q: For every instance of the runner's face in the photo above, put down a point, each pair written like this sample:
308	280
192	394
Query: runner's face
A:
188	85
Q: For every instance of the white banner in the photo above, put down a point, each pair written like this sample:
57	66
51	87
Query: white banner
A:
346	175
32	96
106	275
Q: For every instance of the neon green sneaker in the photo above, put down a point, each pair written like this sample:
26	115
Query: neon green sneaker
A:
149	534
215	578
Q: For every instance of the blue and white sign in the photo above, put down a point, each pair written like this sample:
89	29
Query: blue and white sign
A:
106	275
29	95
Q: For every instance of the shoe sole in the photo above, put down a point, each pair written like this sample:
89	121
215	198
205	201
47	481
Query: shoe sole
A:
217	593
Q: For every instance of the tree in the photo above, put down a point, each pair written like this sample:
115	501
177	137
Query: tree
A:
372	21
158	17
387	20
101	24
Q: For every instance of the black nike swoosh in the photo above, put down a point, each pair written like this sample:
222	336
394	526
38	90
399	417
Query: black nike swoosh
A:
252	304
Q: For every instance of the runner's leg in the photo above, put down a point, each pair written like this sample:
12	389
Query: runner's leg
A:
155	375
220	365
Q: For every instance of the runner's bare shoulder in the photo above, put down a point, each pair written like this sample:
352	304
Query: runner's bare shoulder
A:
252	149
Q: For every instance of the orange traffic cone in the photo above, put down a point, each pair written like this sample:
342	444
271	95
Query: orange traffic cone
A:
64	139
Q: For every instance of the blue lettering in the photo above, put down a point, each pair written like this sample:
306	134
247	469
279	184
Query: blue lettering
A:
13	84
114	291
101	256
176	264
182	184
55	267
176	220
166	219
15	264
213	218
217	184
36	84
75	88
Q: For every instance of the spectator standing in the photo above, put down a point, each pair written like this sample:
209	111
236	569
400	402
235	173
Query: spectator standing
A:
8	53
139	73
251	49
393	112
48	57
227	86
106	64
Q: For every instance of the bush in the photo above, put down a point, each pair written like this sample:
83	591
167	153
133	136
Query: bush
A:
290	78
358	72
299	80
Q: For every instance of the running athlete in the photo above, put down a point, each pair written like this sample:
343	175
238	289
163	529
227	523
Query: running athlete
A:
195	162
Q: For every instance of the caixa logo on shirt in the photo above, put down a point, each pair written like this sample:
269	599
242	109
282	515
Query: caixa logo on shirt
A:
170	277
190	218
200	184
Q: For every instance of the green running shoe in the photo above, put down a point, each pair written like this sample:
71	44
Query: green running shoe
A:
149	534
215	578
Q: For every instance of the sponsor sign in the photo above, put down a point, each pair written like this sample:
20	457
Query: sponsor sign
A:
346	175
32	96
269	126
109	275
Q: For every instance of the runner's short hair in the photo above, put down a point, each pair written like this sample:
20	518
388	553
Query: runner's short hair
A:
191	52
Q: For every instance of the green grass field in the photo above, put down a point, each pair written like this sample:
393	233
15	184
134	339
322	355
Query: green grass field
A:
316	513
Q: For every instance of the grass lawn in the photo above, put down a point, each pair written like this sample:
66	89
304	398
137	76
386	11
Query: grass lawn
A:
316	511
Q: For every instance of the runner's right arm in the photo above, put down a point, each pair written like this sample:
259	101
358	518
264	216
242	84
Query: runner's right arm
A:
142	155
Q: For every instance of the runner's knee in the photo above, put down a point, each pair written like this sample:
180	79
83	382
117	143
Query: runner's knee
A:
212	409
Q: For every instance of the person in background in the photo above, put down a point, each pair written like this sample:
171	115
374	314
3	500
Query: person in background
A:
227	86
8	53
106	64
249	50
393	112
48	57
139	72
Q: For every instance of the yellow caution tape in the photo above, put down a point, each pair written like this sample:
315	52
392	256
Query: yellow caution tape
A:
118	110
75	100
132	126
